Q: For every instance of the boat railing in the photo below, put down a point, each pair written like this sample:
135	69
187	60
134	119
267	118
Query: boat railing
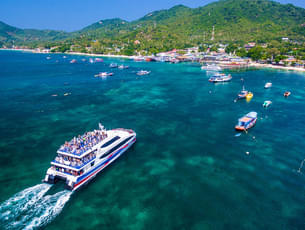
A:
74	164
80	145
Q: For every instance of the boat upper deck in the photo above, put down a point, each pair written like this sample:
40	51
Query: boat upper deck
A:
76	162
83	145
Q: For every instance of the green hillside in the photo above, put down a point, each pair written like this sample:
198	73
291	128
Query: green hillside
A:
237	21
13	35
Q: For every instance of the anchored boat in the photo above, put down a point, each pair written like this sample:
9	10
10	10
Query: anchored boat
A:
267	103
123	66
81	159
268	85
287	93
249	96
113	65
143	72
103	74
246	122
220	78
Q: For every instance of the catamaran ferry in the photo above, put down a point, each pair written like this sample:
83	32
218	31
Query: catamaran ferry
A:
82	158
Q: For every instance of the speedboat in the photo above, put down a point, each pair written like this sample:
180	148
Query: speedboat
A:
113	65
267	103
249	96
268	85
123	66
246	122
143	72
99	60
220	78
287	93
211	67
242	94
73	61
91	60
139	58
81	159
103	74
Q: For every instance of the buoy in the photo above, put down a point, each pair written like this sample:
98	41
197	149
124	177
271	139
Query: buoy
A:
247	153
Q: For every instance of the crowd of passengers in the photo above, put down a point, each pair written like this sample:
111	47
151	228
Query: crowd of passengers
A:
69	171
81	144
74	162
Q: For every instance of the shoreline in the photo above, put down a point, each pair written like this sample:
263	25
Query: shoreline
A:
251	64
269	66
72	53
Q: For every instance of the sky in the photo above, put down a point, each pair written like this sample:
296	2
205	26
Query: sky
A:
71	15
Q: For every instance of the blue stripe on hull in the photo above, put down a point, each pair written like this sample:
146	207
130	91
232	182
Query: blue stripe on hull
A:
102	164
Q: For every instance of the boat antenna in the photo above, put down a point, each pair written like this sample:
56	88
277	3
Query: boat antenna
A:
101	126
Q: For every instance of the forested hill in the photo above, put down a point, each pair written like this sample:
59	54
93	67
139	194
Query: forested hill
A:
233	21
10	34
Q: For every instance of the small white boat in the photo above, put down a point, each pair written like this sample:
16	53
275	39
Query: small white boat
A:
91	60
113	65
143	72
220	78
48	58
103	74
123	67
268	85
267	103
211	67
99	60
73	61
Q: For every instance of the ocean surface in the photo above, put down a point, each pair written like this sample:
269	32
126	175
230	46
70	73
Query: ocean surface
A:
187	170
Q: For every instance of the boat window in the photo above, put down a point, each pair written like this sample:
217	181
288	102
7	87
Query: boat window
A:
110	142
116	147
92	163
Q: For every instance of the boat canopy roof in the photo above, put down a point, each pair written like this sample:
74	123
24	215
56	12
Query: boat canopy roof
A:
252	114
245	119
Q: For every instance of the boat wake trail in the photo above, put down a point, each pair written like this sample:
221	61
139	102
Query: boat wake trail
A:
31	208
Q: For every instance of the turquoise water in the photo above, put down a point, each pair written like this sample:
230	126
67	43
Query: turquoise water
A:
187	170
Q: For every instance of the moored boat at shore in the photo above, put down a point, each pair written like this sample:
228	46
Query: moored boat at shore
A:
246	122
81	159
139	58
211	67
99	60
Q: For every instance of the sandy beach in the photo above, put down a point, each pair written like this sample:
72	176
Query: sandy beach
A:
289	68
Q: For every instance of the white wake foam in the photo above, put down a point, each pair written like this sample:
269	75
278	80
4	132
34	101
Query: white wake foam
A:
30	209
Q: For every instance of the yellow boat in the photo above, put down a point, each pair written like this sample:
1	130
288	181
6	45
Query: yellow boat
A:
249	96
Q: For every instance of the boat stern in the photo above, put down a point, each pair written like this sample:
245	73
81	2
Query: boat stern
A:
240	128
53	176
